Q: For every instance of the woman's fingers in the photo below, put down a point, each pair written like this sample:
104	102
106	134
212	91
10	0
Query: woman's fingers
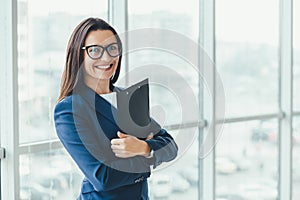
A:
117	141
128	146
120	152
122	135
150	136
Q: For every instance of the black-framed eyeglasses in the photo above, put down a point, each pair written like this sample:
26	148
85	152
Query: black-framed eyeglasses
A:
96	51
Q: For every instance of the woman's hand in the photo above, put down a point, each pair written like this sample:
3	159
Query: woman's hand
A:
129	146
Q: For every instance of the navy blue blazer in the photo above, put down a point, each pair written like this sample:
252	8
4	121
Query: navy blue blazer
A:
85	123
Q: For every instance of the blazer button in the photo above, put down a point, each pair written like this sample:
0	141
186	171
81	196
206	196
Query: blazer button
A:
139	179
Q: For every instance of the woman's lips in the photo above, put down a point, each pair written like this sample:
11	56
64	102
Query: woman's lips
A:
104	67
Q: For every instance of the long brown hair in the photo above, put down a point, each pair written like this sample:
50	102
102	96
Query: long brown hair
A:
75	56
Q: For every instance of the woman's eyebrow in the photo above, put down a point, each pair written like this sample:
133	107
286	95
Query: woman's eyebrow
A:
106	44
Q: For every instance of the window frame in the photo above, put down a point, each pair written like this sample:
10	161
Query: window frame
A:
118	17
9	100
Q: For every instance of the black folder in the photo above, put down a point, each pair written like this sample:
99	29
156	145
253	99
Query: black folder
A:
133	111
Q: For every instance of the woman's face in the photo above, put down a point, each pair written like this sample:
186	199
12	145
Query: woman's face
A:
103	68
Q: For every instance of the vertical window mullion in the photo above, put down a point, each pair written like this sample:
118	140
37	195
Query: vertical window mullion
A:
285	99
207	41
9	99
119	19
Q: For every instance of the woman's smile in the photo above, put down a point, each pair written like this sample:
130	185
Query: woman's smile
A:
104	67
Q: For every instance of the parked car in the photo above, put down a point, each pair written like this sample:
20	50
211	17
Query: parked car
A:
265	131
225	166
259	191
265	190
268	131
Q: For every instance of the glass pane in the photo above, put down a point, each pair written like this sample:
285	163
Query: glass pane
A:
170	67
296	85
44	28
169	87
296	158
296	56
247	160
49	175
247	55
179	179
181	18
166	62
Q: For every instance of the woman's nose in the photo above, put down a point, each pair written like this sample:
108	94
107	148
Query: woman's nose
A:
106	56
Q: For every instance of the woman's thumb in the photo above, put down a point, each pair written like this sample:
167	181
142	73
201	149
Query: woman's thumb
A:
121	135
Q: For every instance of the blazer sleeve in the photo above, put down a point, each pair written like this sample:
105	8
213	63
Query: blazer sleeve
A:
101	176
164	147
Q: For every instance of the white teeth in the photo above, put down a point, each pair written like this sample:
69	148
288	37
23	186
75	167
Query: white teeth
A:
103	67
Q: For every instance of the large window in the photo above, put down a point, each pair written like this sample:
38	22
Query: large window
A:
43	32
44	28
246	161
169	72
247	55
244	40
247	59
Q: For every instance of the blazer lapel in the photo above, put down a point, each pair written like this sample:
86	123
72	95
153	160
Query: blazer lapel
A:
98	103
105	109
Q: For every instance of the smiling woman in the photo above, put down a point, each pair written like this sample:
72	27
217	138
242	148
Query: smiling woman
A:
116	165
90	48
101	59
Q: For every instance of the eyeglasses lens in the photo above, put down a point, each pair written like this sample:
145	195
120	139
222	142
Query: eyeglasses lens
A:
113	50
95	51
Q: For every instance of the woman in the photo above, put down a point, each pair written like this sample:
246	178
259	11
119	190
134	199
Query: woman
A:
116	165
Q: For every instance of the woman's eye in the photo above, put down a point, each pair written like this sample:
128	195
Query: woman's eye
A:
94	50
111	48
